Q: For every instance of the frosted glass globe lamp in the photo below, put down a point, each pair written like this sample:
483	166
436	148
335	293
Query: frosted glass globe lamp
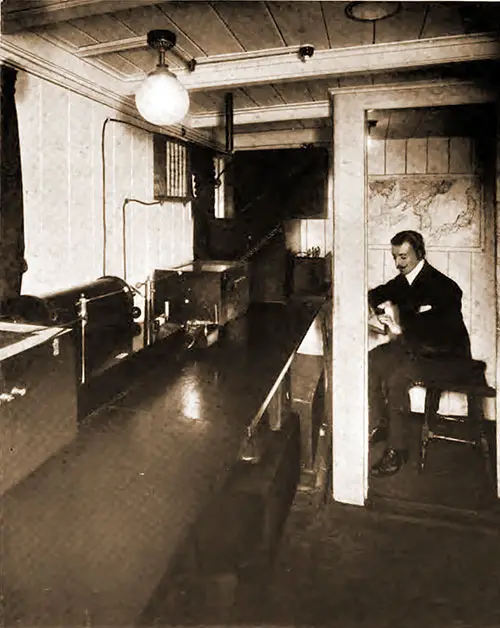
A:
161	98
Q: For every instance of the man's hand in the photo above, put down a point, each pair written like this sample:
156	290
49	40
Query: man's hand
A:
392	326
389	317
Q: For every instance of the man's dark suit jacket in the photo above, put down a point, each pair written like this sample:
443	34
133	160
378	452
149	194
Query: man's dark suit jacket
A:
430	312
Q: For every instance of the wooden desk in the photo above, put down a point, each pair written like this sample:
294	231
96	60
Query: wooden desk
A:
88	536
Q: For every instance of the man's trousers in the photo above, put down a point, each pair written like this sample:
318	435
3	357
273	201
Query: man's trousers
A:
391	372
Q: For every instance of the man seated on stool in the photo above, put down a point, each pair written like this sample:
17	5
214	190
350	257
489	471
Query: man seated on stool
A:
430	325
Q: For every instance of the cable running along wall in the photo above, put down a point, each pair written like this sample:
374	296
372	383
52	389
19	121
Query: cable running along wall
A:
172	180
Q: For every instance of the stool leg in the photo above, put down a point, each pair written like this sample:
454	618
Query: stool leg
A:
476	417
432	397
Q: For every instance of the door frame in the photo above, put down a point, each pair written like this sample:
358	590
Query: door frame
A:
350	268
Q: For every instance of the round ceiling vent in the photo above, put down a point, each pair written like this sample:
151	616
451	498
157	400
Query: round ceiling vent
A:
371	11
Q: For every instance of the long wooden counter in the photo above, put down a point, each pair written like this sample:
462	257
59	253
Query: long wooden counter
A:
88	536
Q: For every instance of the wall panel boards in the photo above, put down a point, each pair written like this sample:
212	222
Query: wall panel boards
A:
60	135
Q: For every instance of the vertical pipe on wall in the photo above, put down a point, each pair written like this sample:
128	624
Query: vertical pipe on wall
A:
229	120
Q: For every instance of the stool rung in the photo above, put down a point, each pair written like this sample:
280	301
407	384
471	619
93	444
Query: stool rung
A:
452	439
466	377
458	418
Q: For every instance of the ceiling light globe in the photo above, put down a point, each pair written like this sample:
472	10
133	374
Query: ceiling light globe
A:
162	99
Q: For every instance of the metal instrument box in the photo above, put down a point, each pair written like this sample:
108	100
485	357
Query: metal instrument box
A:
203	291
38	399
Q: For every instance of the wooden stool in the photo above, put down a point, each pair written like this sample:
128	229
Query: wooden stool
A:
466	377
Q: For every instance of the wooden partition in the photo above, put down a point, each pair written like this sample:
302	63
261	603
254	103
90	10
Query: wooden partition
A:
350	265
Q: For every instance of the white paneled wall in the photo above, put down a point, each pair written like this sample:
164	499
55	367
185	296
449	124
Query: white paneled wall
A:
472	269
60	134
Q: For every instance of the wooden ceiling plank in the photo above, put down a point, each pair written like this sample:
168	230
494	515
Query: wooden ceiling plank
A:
149	18
242	100
67	34
294	91
300	23
405	25
343	31
442	19
15	19
263	95
208	101
146	60
117	63
205	29
250	23
319	89
103	28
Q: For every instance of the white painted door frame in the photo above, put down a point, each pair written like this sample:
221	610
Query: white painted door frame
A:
350	270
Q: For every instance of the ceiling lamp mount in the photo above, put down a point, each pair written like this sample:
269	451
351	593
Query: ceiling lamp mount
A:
161	98
371	11
306	52
161	40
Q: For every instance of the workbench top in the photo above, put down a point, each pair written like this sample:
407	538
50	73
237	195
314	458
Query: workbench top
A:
88	536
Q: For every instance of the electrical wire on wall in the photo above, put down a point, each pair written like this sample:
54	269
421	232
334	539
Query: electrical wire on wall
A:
104	217
126	201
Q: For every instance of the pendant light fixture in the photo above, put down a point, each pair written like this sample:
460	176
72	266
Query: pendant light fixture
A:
161	98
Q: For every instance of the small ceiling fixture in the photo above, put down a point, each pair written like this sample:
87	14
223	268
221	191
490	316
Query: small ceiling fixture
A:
371	11
161	98
306	52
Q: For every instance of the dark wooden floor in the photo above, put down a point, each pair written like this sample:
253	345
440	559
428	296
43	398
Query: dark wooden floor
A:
346	567
454	475
424	552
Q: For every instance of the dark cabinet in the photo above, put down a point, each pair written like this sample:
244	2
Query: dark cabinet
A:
308	275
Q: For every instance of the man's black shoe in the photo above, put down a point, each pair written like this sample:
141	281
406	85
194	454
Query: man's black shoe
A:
379	434
391	462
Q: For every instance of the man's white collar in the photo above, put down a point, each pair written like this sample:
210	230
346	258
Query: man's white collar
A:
410	277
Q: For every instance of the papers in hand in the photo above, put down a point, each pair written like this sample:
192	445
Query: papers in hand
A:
375	325
389	323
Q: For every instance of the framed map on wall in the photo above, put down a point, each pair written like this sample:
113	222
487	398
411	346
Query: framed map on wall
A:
445	209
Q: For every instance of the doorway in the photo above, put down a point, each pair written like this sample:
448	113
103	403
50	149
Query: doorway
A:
432	169
351	252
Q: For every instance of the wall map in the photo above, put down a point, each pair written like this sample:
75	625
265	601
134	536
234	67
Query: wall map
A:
446	209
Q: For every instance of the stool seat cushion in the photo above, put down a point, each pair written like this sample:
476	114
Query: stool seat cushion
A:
455	375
